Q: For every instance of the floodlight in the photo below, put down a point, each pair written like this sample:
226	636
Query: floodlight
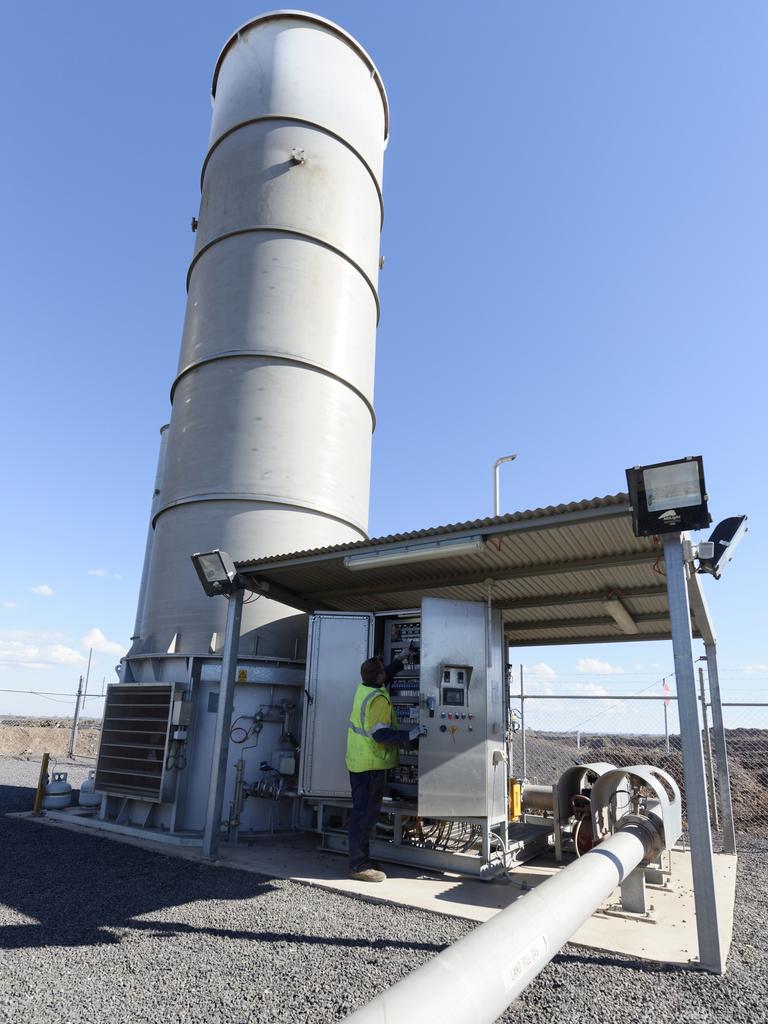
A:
668	497
725	536
414	553
216	571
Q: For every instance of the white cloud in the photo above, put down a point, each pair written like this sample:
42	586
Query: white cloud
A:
97	572
32	635
610	704
25	649
58	654
542	670
43	590
593	666
590	689
756	668
95	638
9	604
538	678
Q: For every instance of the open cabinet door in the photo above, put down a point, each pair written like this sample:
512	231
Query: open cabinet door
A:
339	642
461	679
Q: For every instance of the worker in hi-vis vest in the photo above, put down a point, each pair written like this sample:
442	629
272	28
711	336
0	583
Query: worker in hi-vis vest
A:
372	741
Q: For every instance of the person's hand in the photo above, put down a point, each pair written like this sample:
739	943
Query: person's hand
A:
417	732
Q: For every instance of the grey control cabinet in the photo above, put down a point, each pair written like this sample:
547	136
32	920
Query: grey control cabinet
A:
339	642
462	771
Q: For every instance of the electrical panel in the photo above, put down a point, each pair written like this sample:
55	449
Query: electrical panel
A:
451	683
402	640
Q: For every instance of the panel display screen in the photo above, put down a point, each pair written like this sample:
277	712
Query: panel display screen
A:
453	697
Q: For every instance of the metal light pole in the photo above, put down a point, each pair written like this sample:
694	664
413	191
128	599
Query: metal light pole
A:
702	863
497	463
223	720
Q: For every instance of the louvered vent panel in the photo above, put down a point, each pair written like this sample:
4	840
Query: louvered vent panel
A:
134	741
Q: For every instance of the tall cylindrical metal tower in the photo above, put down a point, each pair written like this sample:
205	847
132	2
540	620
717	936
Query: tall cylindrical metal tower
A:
269	443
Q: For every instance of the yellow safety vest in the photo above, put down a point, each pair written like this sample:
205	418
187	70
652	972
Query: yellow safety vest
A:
364	754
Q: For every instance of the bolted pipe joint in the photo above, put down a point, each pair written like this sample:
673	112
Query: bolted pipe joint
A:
649	828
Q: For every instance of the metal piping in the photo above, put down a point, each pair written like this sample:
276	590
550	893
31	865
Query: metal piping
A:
538	798
478	977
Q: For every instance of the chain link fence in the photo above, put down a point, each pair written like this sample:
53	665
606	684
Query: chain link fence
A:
556	729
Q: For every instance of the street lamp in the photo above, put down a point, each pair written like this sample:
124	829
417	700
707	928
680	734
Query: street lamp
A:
497	463
668	497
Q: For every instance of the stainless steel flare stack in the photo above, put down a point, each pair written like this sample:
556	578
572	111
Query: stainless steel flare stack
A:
269	443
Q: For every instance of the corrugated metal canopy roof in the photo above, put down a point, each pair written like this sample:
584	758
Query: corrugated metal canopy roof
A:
550	571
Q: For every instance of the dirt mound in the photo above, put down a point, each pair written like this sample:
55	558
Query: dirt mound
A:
549	754
30	737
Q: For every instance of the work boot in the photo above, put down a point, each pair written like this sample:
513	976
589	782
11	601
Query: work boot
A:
367	874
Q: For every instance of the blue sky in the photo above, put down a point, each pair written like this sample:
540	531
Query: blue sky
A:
576	265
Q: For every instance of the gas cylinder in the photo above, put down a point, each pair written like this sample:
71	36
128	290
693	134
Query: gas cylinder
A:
58	792
87	797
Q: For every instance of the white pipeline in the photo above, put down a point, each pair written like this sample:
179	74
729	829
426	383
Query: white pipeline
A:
478	977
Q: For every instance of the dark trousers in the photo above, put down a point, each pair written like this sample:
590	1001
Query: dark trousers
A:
367	791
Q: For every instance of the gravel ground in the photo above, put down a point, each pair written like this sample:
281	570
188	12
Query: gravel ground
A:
94	930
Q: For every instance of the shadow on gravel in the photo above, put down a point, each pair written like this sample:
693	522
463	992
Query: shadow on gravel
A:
606	960
83	890
78	889
160	928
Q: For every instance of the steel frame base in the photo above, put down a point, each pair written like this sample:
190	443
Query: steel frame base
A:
524	842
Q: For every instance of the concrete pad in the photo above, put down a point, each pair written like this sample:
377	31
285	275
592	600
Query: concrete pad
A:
667	934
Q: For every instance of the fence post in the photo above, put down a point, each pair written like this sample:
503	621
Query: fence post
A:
708	753
665	691
522	724
723	777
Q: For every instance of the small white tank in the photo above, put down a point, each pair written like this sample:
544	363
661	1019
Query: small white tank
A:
58	792
88	797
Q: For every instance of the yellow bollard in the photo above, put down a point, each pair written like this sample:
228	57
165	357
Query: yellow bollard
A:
41	784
